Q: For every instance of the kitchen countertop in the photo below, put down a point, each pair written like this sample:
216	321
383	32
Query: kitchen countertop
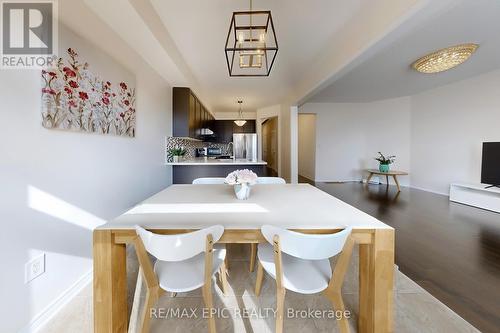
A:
211	161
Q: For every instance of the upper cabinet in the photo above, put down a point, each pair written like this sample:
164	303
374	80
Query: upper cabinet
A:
190	117
224	130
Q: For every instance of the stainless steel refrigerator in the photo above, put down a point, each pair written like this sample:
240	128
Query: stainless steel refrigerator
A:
245	146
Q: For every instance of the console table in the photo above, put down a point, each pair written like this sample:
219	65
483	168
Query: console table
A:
476	195
393	173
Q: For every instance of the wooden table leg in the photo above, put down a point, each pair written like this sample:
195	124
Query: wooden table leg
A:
387	179
397	183
253	256
376	283
369	178
110	284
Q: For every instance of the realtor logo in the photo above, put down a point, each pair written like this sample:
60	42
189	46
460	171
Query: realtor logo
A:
28	34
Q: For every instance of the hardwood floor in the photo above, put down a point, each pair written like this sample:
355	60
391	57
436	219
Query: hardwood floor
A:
451	250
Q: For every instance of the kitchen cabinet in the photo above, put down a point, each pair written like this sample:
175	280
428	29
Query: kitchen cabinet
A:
190	116
224	129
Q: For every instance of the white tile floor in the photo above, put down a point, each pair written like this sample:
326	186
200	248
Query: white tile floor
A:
415	309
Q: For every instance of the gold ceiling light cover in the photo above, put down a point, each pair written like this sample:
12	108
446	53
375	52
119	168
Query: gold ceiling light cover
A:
444	59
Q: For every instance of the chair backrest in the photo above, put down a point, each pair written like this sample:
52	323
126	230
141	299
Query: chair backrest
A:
178	247
209	180
270	180
307	246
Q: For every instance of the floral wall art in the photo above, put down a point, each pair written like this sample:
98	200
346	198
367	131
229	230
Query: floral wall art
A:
75	98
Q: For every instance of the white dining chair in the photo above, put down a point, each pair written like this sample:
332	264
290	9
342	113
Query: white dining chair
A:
209	180
270	180
253	246
184	262
300	263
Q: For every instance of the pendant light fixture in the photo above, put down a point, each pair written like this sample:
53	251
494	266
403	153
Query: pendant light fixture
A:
240	121
251	44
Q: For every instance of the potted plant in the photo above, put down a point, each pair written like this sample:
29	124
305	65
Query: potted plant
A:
385	162
175	153
242	180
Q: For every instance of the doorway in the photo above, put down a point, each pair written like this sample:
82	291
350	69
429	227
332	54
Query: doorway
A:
307	147
270	145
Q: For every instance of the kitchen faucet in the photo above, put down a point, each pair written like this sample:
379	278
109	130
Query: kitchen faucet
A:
230	144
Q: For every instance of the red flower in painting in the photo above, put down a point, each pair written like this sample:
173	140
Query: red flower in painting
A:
127	103
122	115
108	83
48	91
72	103
67	90
106	94
83	95
52	74
123	85
113	94
69	72
105	100
73	84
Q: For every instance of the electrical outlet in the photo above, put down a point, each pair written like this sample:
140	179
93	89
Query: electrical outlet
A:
34	268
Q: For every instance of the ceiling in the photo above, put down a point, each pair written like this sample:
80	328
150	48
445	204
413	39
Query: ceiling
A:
386	73
199	29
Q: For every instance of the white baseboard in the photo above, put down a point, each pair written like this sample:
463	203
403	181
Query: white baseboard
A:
431	191
53	308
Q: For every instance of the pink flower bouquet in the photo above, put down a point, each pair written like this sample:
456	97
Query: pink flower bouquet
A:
241	181
241	177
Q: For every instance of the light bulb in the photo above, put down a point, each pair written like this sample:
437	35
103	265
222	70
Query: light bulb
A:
241	38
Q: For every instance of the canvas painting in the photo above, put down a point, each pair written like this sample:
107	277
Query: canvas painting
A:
75	98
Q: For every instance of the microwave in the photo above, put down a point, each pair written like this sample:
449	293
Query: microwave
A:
208	152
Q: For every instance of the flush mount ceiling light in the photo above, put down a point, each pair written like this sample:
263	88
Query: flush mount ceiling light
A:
251	44
444	59
240	122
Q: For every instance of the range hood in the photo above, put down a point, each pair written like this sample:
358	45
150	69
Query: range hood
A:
206	131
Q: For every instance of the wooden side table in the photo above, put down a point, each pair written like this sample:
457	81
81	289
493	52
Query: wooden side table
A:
392	173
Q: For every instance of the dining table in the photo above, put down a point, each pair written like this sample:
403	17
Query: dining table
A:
299	207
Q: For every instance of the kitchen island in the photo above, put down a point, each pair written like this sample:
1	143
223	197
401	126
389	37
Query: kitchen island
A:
186	170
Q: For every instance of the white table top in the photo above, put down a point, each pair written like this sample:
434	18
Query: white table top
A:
299	206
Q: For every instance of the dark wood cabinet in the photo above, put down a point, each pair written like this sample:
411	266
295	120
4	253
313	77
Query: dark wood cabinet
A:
189	114
249	127
224	129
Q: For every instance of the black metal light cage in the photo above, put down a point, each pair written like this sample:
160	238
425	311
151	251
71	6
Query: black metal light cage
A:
249	27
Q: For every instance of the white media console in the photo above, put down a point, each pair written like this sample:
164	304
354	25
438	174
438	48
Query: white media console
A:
476	195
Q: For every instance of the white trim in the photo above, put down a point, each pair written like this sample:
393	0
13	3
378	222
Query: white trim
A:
431	191
374	183
339	181
57	305
294	144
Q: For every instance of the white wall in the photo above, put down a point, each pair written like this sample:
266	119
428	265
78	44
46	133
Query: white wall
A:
449	125
57	185
307	145
349	135
436	135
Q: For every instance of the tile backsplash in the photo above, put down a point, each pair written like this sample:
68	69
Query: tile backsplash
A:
190	146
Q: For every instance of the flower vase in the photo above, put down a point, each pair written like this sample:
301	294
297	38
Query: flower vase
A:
242	191
175	159
384	167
